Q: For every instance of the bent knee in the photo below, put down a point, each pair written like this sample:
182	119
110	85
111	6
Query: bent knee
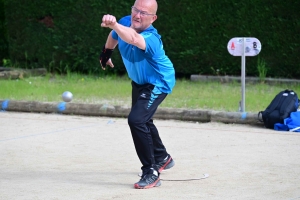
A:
134	120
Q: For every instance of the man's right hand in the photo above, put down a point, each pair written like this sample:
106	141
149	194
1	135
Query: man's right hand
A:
108	21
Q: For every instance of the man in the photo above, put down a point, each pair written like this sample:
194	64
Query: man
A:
153	77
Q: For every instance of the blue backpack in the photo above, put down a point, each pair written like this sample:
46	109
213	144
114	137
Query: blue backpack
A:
280	108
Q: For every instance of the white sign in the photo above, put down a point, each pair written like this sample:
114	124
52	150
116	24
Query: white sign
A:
243	47
252	46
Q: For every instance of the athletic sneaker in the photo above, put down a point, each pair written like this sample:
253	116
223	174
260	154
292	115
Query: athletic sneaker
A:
149	180
167	163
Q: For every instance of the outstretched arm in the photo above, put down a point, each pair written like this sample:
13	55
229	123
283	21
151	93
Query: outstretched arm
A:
127	34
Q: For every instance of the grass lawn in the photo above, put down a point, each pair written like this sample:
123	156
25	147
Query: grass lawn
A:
117	91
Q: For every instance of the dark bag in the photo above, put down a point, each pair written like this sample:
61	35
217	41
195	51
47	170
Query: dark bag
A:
280	108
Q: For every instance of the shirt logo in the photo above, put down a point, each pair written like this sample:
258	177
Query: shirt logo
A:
143	95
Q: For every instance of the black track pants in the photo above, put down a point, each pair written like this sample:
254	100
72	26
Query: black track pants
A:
148	144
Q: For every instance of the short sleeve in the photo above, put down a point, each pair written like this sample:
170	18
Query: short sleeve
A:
153	43
114	35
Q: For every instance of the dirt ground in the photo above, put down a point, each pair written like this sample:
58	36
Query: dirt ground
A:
55	156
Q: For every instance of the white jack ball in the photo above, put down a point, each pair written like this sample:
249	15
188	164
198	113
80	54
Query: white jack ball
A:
67	96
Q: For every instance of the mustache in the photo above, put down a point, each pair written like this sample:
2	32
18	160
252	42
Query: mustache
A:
136	18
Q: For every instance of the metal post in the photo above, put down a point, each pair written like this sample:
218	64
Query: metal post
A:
243	76
243	47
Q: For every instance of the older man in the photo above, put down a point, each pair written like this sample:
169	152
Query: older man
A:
153	78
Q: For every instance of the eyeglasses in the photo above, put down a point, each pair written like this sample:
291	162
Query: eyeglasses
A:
134	10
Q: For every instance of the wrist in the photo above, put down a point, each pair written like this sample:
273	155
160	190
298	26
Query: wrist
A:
112	26
104	49
105	55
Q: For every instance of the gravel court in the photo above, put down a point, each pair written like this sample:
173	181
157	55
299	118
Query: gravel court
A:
54	156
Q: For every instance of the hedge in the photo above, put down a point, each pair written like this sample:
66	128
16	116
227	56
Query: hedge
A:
65	35
3	36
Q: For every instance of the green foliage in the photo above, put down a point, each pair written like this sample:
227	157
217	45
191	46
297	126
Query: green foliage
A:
3	37
6	63
66	34
262	69
196	34
59	35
